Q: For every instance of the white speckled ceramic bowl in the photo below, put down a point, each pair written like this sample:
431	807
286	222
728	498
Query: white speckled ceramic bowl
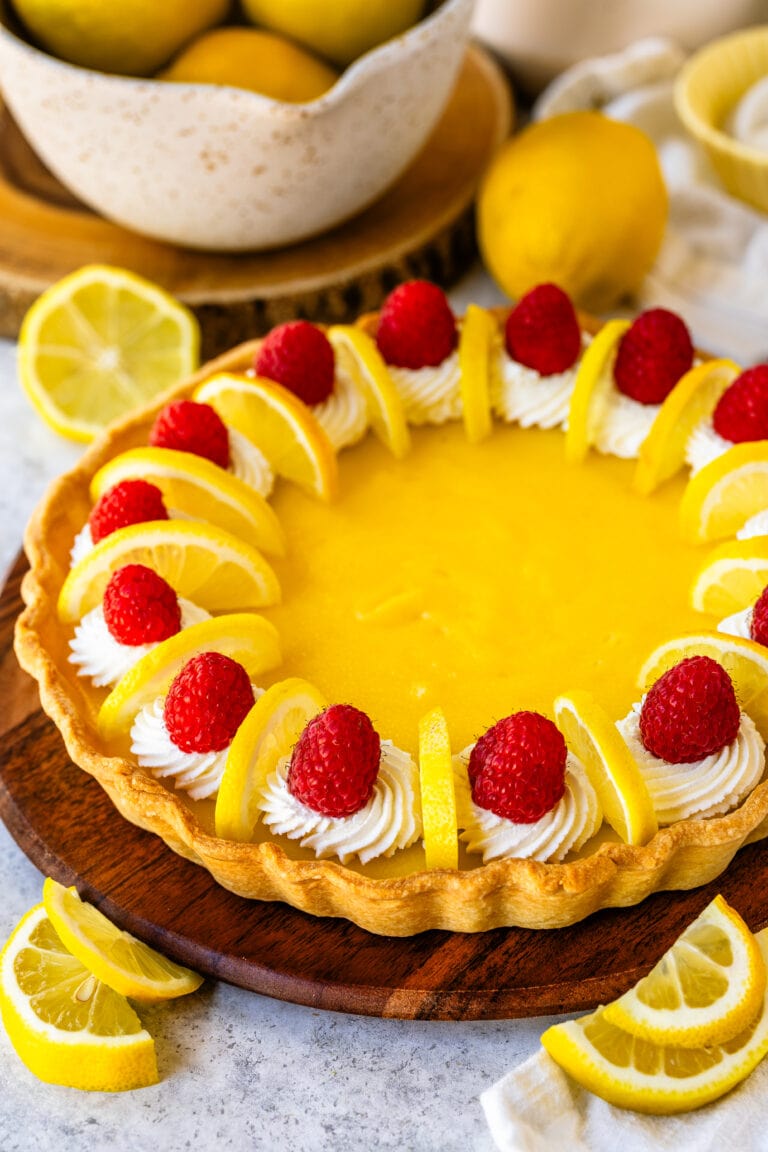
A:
225	169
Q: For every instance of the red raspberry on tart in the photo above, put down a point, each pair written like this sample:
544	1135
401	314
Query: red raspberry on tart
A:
188	426
653	354
299	356
417	328
335	762
207	702
140	607
758	626
517	768
741	413
129	502
542	331
690	712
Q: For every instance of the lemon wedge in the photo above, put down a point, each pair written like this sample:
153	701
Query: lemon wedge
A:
268	733
732	577
200	489
659	1079
116	958
278	423
243	636
360	358
592	390
205	564
706	989
692	400
721	496
476	342
438	792
66	1026
101	342
595	741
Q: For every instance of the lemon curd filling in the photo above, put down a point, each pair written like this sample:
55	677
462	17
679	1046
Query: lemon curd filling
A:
481	578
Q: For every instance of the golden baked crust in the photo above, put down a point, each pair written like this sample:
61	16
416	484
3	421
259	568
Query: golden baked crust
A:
514	892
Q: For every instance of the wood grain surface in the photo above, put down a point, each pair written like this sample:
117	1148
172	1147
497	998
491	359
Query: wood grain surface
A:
422	226
67	826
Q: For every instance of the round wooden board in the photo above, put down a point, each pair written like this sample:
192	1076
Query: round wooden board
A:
422	226
68	827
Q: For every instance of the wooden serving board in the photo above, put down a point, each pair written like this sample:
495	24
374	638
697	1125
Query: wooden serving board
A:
68	827
422	227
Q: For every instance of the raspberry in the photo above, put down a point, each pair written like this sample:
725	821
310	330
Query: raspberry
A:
299	356
517	768
191	427
542	331
207	703
417	328
690	712
129	502
140	607
742	410
758	628
335	762
653	354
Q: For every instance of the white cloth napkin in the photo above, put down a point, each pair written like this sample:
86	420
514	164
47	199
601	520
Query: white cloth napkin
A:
713	265
537	1108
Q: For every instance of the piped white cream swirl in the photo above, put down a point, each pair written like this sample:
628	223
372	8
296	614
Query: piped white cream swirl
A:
521	395
705	445
389	821
623	426
565	828
430	395
96	653
249	463
344	415
757	525
709	787
739	624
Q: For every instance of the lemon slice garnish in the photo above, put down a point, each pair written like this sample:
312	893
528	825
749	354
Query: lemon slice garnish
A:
476	343
101	342
592	390
278	423
366	368
438	792
721	496
732	577
116	958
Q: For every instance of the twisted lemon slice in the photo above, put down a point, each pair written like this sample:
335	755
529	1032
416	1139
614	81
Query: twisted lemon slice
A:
722	495
438	792
732	577
476	340
365	366
592	390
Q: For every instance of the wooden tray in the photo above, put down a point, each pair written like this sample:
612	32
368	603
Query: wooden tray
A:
68	827
422	227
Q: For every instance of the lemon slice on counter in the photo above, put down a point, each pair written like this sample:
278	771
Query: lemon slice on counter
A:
592	389
66	1025
279	424
692	400
358	355
721	496
438	792
732	577
243	636
116	958
268	733
203	563
101	342
476	344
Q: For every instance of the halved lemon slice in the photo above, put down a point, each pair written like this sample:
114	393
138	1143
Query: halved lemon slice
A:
438	792
268	733
278	423
100	342
592	390
200	489
745	662
243	636
706	989
646	1077
476	342
692	400
118	959
66	1025
732	577
361	360
595	741
721	496
205	564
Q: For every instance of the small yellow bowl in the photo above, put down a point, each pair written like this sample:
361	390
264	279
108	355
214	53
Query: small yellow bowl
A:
708	88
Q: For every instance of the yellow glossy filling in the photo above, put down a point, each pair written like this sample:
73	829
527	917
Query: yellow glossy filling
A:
483	579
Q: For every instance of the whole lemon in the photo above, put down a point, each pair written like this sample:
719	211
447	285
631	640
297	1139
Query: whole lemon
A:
579	200
250	58
133	37
342	30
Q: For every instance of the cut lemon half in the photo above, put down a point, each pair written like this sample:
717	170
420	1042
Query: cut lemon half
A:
732	577
692	400
101	342
745	662
592	390
114	957
721	496
268	733
200	489
279	424
438	792
243	636
359	357
203	563
660	1079
66	1026
595	741
706	989
476	343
